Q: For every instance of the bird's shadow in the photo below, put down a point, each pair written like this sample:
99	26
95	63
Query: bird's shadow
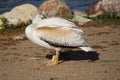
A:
76	55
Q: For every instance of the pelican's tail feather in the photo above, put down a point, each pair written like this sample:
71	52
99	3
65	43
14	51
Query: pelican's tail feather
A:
86	49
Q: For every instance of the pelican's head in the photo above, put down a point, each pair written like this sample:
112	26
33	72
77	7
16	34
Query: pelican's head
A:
38	18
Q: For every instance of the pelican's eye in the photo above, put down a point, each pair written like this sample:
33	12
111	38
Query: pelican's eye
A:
43	18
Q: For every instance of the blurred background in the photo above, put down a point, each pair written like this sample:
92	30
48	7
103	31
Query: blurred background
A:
83	5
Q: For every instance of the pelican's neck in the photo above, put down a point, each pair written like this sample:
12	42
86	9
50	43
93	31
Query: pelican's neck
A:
30	29
35	22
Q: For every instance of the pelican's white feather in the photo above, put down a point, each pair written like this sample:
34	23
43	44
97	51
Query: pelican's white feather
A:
32	36
57	22
56	32
86	49
62	36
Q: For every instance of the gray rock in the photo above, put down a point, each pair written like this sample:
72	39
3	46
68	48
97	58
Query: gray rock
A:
79	17
22	13
18	37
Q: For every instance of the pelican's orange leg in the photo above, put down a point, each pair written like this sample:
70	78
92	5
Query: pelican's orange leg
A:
54	60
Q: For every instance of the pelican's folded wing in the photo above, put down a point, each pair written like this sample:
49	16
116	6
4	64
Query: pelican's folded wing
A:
55	21
61	37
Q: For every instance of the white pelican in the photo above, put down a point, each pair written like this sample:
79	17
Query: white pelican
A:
56	33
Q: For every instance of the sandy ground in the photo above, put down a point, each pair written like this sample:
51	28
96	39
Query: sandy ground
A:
23	60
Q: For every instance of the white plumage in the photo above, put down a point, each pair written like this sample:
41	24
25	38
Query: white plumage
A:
55	33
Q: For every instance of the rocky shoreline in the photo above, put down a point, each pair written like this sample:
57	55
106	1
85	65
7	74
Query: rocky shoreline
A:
24	13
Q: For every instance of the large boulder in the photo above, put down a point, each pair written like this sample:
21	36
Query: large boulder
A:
22	13
108	5
58	8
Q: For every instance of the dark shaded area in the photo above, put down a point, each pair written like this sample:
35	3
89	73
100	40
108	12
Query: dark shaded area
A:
76	55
